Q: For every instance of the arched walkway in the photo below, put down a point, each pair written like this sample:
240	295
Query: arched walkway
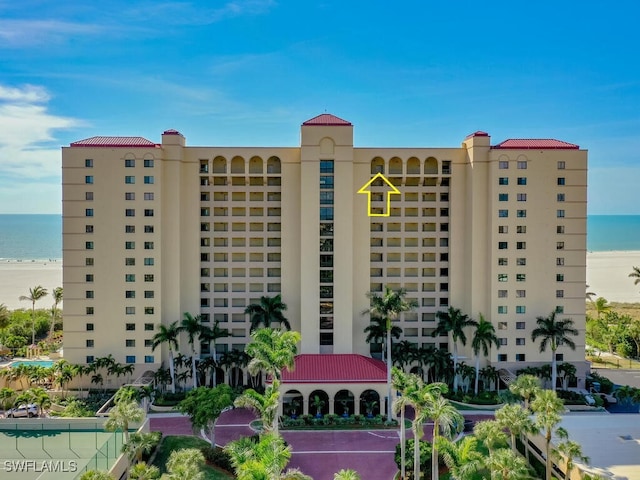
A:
292	403
344	403
370	403
318	402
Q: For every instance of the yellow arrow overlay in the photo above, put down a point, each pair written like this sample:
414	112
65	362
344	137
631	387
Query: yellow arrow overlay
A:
366	188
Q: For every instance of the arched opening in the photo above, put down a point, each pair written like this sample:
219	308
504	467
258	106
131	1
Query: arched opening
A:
236	377
273	165
395	166
344	403
219	375
413	166
318	403
219	165
292	403
255	165
237	165
377	165
370	403
431	166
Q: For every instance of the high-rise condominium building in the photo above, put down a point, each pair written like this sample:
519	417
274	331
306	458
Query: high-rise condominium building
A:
155	230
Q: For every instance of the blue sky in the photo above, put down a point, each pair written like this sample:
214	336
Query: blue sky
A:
248	72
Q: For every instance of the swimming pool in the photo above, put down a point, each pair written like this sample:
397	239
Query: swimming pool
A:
38	363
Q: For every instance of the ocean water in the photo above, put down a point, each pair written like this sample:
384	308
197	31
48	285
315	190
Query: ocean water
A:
30	237
39	237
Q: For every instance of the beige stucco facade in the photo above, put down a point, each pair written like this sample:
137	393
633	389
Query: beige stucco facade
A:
215	228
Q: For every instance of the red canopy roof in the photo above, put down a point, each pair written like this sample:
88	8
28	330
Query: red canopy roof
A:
326	119
536	143
114	142
336	368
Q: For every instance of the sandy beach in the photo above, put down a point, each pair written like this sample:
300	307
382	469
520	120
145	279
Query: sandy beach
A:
607	276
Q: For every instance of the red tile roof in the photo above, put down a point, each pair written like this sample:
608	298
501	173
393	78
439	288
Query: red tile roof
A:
336	368
326	119
536	143
114	142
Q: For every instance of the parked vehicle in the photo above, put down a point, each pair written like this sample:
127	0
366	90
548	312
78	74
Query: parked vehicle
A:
30	410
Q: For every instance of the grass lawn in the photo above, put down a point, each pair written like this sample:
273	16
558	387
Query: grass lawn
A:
177	442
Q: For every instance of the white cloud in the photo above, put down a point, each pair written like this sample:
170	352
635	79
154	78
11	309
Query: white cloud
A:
20	33
28	94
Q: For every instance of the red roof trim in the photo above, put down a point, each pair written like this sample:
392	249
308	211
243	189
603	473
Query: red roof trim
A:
479	133
326	119
171	131
335	368
535	143
114	142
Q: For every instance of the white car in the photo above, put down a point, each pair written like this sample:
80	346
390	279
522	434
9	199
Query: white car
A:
30	410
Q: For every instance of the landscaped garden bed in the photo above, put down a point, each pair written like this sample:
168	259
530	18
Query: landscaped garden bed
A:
336	422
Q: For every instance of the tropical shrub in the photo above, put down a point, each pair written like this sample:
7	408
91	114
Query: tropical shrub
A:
425	458
218	457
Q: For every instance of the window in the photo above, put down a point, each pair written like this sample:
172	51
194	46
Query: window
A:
149	359
88	179
88	228
148	195
88	163
130	245
503	229
561	165
129	229
89	327
502	294
520	309
561	181
326	245
503	165
560	261
129	196
148	212
326	276
148	229
148	179
560	214
149	294
560	197
130	179
503	213
129	310
502	245
520	341
129	342
520	357
326	166
521	293
521	277
326	182
521	229
129	163
502	325
522	197
88	212
148	327
502	309
130	327
148	277
502	341
326	213
89	311
521	245
502	357
503	181
522	180
148	245
130	212
503	197
130	359
88	277
521	325
502	277
559	245
149	310
89	294
130	294
559	293
89	359
522	165
148	163
559	277
129	277
560	229
88	261
559	357
503	261
521	213
148	261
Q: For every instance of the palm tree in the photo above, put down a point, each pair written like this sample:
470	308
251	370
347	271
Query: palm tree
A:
271	350
35	294
377	332
122	415
186	464
483	337
446	419
169	335
388	307
403	384
635	274
589	295
210	335
506	465
570	451
453	322
57	299
5	316
547	407
526	386
6	397
40	398
141	444
142	471
491	433
96	475
265	405
555	334
192	326
601	305
462	457
516	420
346	475
404	353
268	311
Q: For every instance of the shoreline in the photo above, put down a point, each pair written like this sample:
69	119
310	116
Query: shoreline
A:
607	276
